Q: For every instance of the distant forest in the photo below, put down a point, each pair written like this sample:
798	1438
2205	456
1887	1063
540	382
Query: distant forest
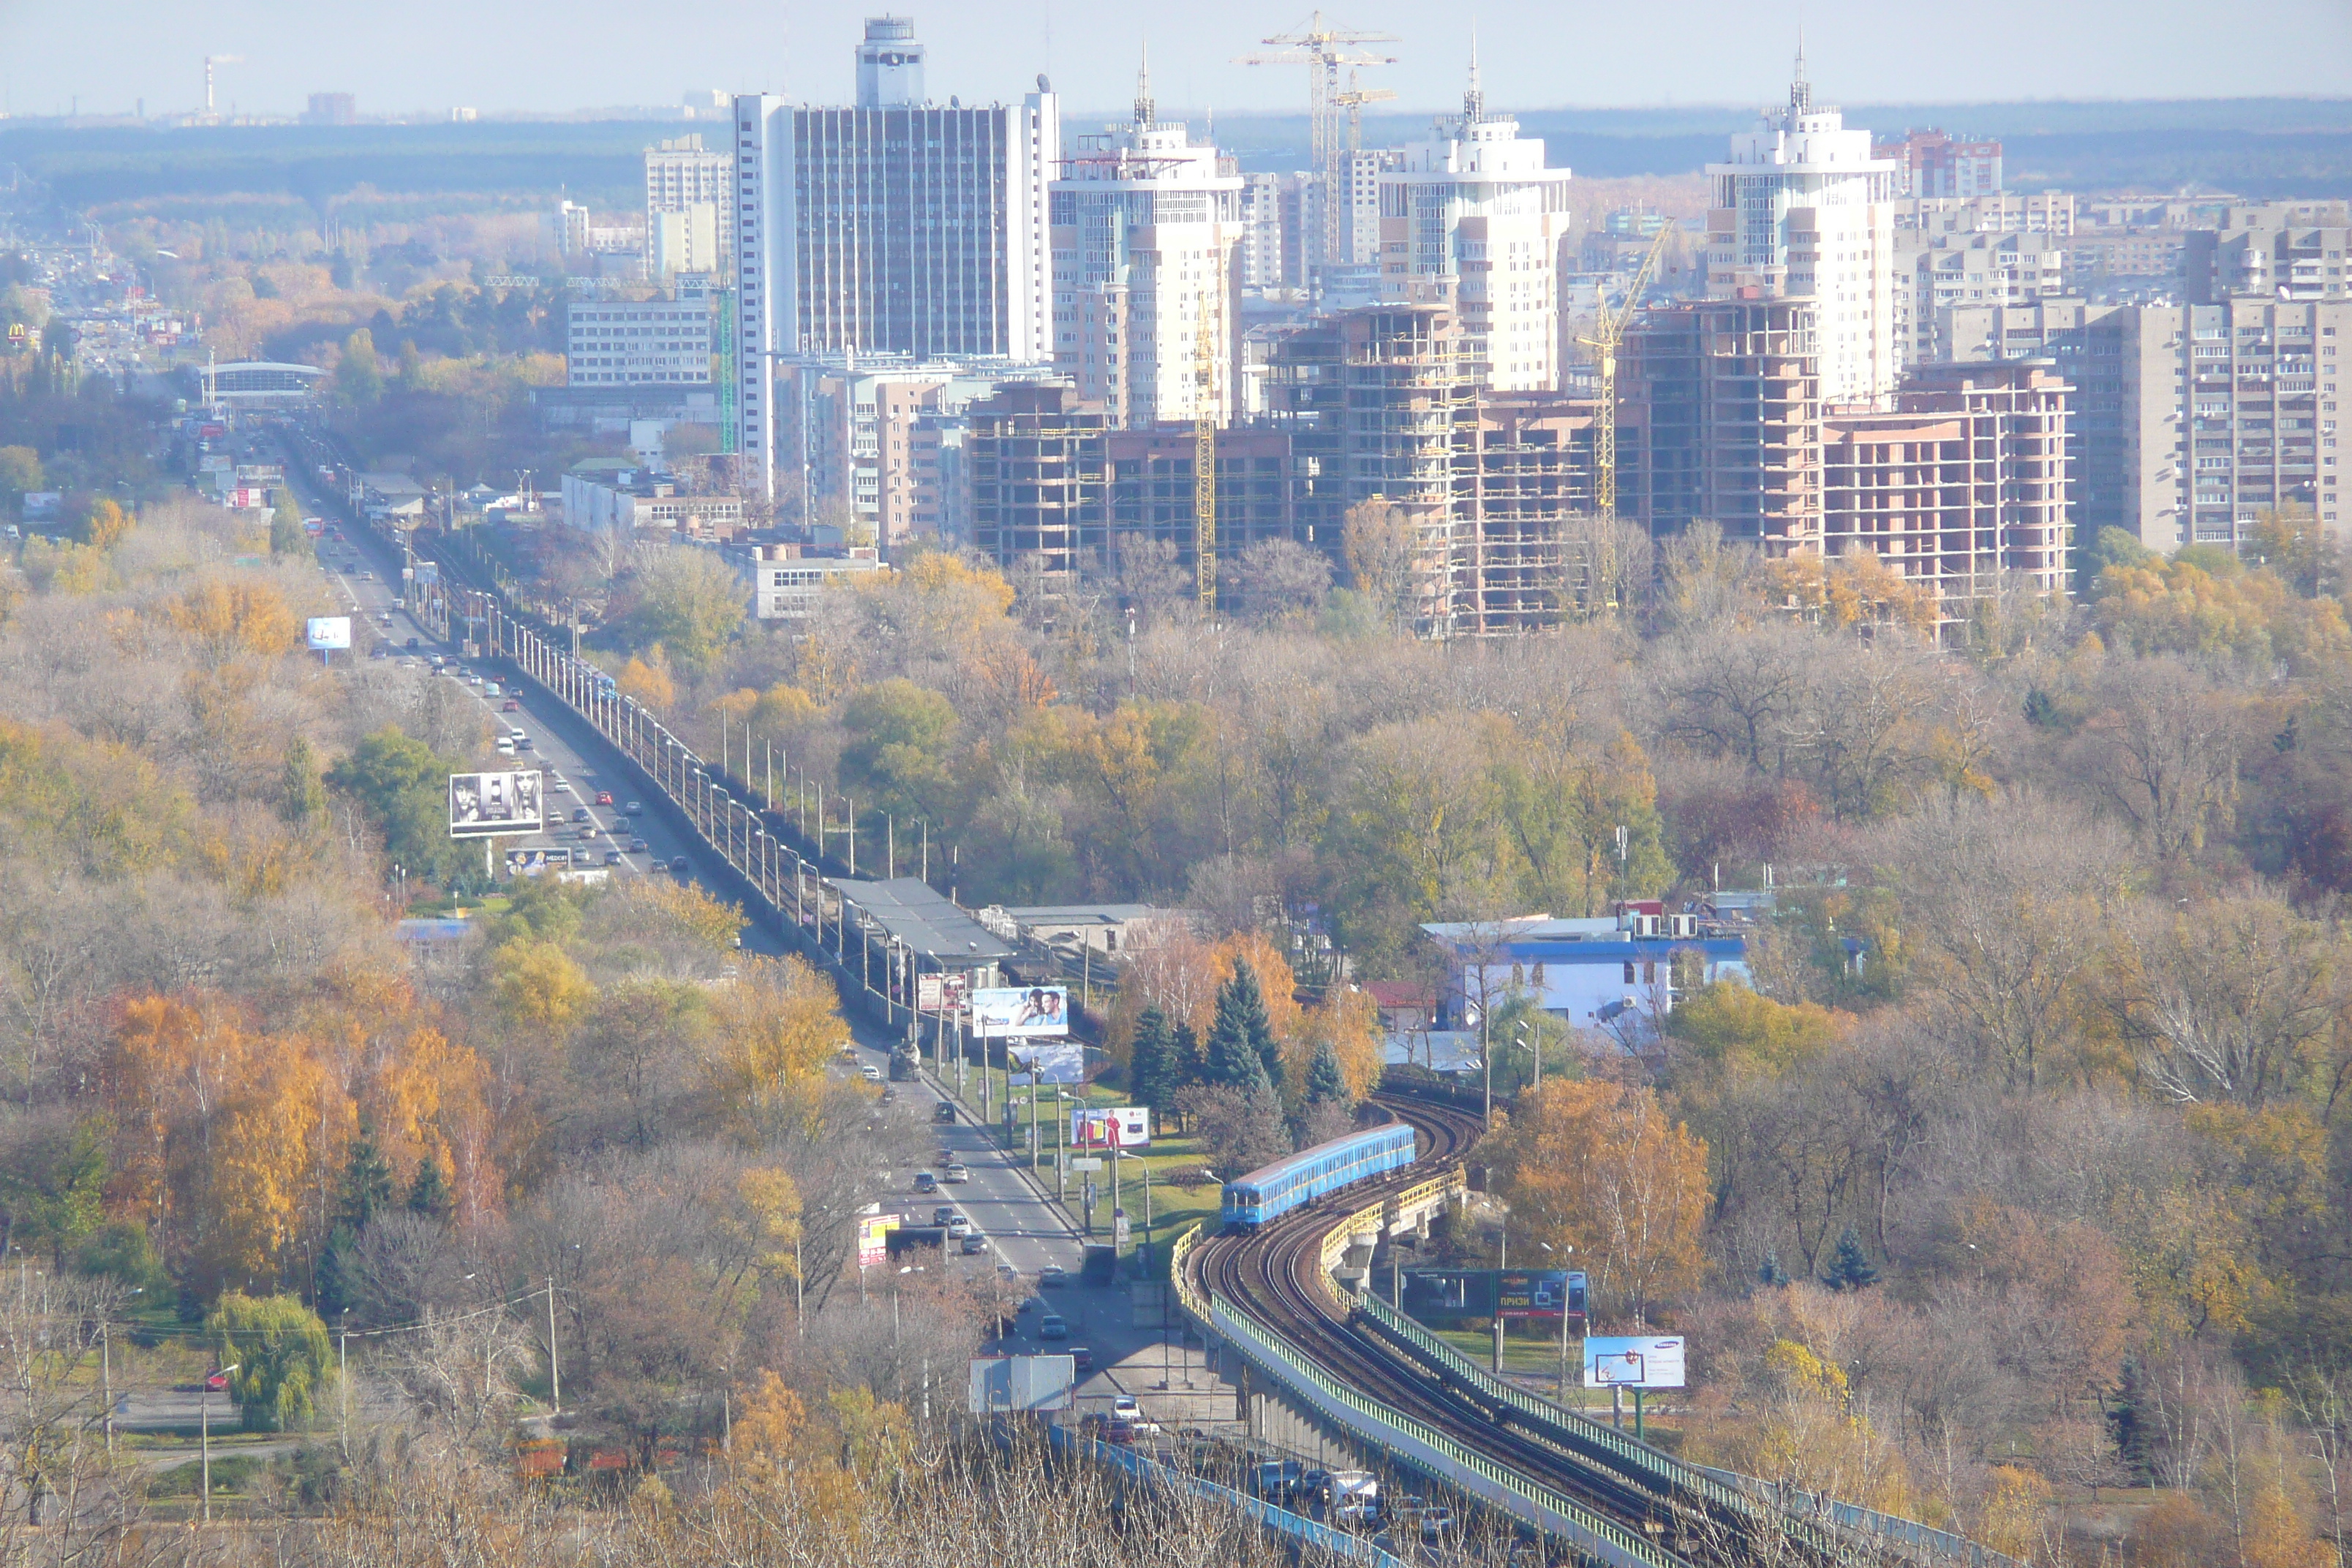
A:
2255	147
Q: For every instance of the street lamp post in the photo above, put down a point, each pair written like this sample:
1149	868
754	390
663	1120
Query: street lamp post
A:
1560	1391
204	1434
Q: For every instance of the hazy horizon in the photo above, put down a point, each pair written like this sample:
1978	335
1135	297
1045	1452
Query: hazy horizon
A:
109	56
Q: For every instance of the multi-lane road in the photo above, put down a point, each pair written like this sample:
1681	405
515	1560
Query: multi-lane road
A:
1026	1232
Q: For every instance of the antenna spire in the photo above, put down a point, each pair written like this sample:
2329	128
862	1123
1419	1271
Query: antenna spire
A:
1147	112
1800	90
1473	102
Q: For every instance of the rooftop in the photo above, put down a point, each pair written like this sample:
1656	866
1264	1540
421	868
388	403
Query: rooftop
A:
920	918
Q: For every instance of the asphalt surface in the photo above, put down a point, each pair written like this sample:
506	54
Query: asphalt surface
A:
1026	1232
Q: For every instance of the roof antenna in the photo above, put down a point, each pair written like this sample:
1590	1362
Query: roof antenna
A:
1473	103
1801	91
1147	113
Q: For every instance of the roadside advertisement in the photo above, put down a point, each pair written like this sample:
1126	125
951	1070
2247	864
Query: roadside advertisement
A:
1127	1127
1632	1361
1539	1296
1049	1064
248	498
874	1238
942	993
1020	1012
485	806
325	632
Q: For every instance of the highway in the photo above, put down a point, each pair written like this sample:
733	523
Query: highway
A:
1026	1233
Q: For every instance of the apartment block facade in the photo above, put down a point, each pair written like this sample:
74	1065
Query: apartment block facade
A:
1935	164
688	188
618	343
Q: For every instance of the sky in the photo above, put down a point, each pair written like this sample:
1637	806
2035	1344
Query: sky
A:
410	56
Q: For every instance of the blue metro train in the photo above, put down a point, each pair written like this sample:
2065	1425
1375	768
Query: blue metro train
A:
1262	1195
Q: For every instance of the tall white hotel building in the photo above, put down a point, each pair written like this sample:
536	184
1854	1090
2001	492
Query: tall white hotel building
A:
897	227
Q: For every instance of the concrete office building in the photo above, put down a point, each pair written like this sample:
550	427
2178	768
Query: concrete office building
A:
1147	230
1475	217
897	225
614	342
687	196
1805	211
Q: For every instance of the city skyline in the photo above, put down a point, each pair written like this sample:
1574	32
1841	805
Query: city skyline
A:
118	54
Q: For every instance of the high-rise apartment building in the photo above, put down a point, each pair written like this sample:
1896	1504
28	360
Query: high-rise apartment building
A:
1147	227
1475	217
332	109
1933	164
687	196
2191	420
1805	211
2264	251
897	225
1275	212
1937	273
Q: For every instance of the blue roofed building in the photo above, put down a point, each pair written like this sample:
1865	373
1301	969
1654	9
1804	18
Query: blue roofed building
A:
1589	972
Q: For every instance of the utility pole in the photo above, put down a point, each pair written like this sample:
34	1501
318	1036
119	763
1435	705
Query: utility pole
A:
554	1367
204	1434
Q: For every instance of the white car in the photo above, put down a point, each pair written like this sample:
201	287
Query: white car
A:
563	787
873	1074
1125	1408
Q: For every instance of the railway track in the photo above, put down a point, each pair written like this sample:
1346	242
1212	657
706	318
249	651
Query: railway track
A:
1276	1277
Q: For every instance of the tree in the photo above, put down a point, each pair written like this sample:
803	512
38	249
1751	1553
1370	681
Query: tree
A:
537	984
20	470
1149	1076
1241	1036
771	1033
1769	1273
1849	1266
286	535
428	1194
1239	1131
301	798
1324	1083
1599	1167
404	785
691	604
358	379
366	1190
281	1351
103	524
1380	551
2137	1429
898	749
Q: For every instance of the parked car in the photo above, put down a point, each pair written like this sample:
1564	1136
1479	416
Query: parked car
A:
1120	1432
1276	1479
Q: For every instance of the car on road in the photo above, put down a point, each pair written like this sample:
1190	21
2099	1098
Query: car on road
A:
415	643
678	869
1053	1277
1125	1408
634	808
615	857
1083	1357
957	1173
943	1111
1275	1479
639	846
926	1182
603	797
510	706
873	1074
378	651
975	1242
522	742
1053	1326
367	577
958	1228
1438	1525
1121	1433
580	814
943	1213
561	786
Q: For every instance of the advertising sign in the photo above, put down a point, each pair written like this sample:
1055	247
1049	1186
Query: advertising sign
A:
324	632
1123	1127
429	571
1020	1013
1539	1295
874	1238
1049	1063
482	806
1632	1361
937	993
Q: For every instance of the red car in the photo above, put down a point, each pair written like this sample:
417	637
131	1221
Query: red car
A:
511	706
603	797
216	1382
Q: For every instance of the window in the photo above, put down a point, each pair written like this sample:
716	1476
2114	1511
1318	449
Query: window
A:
1629	971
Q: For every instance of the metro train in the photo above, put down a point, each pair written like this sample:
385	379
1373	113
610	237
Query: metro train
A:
1264	1194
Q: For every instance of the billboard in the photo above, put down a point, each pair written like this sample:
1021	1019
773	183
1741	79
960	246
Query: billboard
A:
1020	1013
1539	1295
874	1238
937	993
1055	1063
1122	1127
482	806
1633	1360
324	632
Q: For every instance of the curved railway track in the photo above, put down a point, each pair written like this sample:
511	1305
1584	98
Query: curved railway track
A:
1275	1276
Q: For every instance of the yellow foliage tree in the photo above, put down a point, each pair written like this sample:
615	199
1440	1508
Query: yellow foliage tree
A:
1599	1167
647	681
536	984
2016	1513
1349	1021
771	1033
1739	1031
232	619
660	903
771	1428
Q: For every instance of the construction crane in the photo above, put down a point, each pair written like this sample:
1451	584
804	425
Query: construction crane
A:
1353	101
210	61
1205	333
1608	335
1323	49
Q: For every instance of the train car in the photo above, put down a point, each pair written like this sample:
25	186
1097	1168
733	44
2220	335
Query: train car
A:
1252	1200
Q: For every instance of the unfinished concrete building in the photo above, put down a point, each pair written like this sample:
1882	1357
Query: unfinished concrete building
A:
1519	492
1040	477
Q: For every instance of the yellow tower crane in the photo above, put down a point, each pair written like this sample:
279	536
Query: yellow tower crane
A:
1608	335
1323	48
